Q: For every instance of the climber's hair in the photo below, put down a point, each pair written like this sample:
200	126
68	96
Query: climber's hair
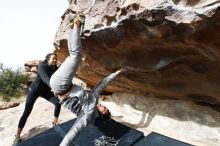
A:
47	57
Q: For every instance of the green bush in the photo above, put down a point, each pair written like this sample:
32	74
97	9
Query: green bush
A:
12	82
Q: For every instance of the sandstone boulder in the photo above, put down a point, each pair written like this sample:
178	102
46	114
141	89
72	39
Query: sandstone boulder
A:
170	47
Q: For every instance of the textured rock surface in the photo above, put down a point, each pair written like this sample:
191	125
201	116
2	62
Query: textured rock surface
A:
6	105
182	120
31	67
171	47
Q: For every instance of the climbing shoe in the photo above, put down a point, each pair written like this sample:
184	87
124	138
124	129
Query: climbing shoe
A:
80	18
16	141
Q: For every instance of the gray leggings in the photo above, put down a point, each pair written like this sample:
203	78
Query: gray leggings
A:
61	80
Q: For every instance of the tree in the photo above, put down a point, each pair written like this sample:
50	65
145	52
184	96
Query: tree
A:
12	83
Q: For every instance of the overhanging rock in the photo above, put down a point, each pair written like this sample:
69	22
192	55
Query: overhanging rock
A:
170	47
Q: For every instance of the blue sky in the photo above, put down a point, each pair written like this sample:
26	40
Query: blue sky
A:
27	29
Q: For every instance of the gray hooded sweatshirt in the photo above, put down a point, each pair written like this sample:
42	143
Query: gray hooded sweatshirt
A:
83	104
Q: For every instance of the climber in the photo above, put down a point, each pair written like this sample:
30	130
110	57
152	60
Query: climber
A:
79	101
86	107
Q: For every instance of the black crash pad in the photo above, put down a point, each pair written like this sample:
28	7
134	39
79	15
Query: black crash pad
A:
110	133
155	139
